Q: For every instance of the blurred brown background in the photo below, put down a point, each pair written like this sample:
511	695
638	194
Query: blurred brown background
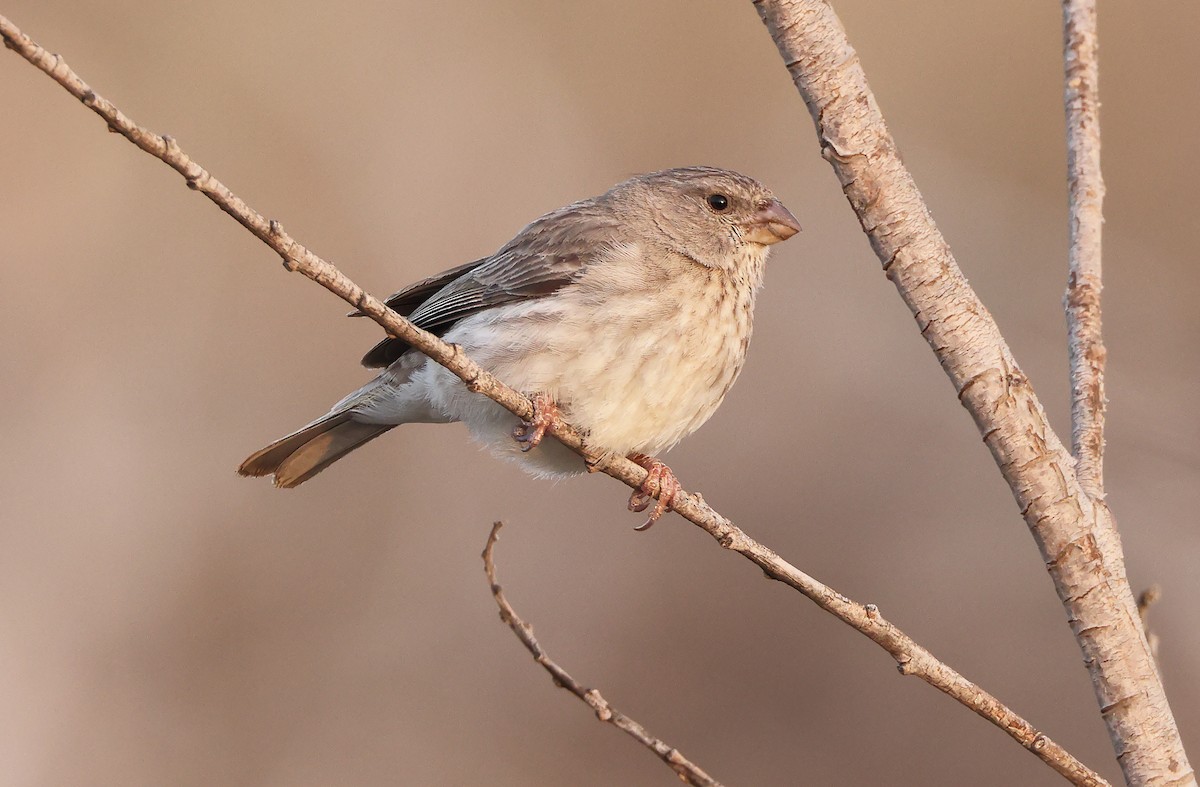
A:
163	621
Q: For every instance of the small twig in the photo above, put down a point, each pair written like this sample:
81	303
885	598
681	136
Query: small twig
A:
911	657
1082	302
688	771
1148	598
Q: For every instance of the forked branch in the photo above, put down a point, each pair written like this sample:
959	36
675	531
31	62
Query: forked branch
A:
911	657
1074	531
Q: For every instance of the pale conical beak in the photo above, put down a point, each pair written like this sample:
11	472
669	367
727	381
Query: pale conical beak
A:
771	224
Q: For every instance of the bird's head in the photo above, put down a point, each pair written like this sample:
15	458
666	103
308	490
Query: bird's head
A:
709	215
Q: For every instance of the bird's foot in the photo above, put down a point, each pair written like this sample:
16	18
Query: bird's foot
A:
545	415
660	482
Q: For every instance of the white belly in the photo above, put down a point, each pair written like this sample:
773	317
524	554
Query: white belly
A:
637	369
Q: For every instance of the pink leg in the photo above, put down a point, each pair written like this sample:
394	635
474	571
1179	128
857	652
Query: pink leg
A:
545	415
660	481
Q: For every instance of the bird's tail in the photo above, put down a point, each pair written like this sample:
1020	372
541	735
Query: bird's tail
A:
302	454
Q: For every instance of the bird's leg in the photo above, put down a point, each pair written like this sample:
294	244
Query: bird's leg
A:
545	415
659	481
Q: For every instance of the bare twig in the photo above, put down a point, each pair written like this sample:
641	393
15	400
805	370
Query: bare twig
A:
911	657
1146	599
1082	302
1075	533
688	771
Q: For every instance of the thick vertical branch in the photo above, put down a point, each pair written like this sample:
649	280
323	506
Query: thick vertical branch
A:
910	656
1075	533
1085	346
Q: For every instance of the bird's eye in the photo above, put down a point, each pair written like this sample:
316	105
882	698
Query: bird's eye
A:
718	202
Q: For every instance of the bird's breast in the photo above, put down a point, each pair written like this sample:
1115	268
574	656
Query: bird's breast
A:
654	364
637	355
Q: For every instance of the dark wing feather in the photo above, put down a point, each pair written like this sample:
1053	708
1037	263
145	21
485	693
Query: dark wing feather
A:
544	257
412	296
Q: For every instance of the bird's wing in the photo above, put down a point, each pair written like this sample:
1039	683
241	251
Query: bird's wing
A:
541	259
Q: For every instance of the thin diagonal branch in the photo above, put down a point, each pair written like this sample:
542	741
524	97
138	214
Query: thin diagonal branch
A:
911	657
1084	340
1075	533
688	771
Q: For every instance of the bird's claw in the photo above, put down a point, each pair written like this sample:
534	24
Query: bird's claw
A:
529	433
660	482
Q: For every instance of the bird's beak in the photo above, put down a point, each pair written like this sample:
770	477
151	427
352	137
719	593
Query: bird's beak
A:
771	224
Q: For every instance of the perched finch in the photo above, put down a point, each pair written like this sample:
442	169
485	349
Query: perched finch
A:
628	315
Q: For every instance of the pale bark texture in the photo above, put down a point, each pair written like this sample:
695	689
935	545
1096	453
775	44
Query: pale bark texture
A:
1076	534
912	658
1084	342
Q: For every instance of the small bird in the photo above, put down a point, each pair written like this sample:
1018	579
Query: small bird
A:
628	315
